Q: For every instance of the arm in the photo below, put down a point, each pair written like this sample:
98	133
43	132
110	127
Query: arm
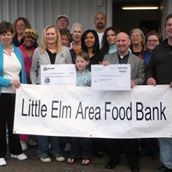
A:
150	71
20	58
7	82
4	82
140	78
68	56
34	67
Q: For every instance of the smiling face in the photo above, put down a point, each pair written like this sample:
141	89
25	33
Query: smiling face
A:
51	36
81	63
65	40
110	36
28	41
6	38
136	38
122	43
152	41
168	27
90	40
20	26
77	33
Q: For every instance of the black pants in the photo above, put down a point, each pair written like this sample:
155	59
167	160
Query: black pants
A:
7	102
81	148
128	146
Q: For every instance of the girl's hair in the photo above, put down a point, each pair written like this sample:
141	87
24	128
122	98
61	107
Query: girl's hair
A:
96	45
105	44
5	27
83	55
44	41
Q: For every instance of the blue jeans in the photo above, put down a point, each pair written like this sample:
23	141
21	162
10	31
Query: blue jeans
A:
48	145
166	151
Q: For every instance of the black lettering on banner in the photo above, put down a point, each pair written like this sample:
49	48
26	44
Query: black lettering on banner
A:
23	111
80	111
139	111
106	109
150	113
33	108
59	110
87	112
54	109
43	110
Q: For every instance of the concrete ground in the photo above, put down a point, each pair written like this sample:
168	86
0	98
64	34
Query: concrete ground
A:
33	164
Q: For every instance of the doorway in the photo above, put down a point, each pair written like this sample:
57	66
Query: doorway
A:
146	20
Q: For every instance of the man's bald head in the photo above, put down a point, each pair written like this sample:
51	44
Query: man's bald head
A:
122	43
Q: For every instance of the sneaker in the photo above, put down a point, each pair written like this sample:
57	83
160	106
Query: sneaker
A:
23	145
21	156
60	158
45	159
2	162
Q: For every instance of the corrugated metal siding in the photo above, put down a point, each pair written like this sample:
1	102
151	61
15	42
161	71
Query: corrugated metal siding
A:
43	12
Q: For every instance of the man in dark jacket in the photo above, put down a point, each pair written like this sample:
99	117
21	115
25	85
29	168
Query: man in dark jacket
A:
160	72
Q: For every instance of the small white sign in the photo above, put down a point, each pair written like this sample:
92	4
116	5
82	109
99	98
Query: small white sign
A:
61	74
111	77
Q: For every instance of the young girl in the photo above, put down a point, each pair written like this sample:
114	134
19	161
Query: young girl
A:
81	147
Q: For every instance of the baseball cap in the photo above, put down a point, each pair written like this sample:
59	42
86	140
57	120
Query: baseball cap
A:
62	16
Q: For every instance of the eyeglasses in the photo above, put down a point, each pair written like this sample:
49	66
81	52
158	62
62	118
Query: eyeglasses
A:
152	40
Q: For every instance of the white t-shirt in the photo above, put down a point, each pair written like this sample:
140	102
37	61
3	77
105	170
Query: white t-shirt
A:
11	70
100	35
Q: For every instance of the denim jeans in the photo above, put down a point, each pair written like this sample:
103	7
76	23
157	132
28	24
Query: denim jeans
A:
48	145
166	151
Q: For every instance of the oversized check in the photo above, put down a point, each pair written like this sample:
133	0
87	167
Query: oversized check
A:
111	77
59	74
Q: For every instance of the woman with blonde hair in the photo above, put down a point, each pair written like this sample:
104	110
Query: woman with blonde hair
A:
52	52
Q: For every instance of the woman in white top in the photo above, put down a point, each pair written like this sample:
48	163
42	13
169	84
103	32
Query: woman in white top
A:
12	73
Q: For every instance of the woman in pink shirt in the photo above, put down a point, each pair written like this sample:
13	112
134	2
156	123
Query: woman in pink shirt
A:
27	49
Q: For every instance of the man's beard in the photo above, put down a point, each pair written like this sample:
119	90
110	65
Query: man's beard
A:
100	25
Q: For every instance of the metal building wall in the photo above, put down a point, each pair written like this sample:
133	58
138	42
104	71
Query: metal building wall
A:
43	12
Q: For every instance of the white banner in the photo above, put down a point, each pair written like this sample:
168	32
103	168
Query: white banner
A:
143	112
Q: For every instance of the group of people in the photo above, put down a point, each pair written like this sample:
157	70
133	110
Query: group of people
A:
20	61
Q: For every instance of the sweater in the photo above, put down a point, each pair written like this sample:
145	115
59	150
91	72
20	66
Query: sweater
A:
4	82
